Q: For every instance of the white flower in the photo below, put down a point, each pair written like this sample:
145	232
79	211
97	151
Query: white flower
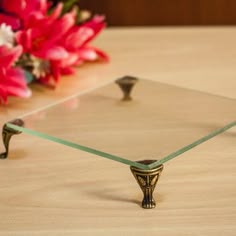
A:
40	67
6	35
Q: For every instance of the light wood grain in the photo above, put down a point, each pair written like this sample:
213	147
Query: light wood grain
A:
49	189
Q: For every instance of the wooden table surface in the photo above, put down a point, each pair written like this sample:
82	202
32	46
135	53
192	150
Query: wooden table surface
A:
49	189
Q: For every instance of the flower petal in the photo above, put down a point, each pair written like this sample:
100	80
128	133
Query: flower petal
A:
101	55
78	37
71	60
13	83
61	26
56	12
91	54
87	54
52	53
9	55
96	24
24	38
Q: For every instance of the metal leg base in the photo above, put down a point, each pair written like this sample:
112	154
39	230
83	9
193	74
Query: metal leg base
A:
147	180
126	84
7	133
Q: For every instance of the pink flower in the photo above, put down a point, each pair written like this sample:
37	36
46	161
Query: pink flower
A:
59	41
16	13
77	39
12	79
42	36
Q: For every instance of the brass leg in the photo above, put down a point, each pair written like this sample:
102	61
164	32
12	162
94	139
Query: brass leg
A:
7	134
147	180
126	84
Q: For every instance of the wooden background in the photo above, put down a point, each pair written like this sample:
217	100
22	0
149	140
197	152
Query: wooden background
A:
164	12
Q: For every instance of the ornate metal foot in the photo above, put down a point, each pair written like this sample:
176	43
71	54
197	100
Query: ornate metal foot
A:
7	134
126	84
147	180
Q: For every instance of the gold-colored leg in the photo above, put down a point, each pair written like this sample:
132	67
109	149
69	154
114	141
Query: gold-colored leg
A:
7	133
147	180
126	84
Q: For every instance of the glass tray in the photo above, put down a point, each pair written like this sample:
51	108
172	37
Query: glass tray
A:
159	123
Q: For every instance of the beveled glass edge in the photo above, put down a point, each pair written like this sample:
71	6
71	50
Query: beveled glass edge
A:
78	146
192	145
120	159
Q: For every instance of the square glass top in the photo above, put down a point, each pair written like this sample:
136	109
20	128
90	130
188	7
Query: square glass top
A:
159	123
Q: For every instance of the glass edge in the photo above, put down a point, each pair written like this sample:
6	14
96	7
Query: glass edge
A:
78	146
120	159
192	145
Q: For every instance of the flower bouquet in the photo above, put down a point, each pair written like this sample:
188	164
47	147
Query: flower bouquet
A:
40	41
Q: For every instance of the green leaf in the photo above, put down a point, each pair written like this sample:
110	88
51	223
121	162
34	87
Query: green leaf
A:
29	77
68	5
